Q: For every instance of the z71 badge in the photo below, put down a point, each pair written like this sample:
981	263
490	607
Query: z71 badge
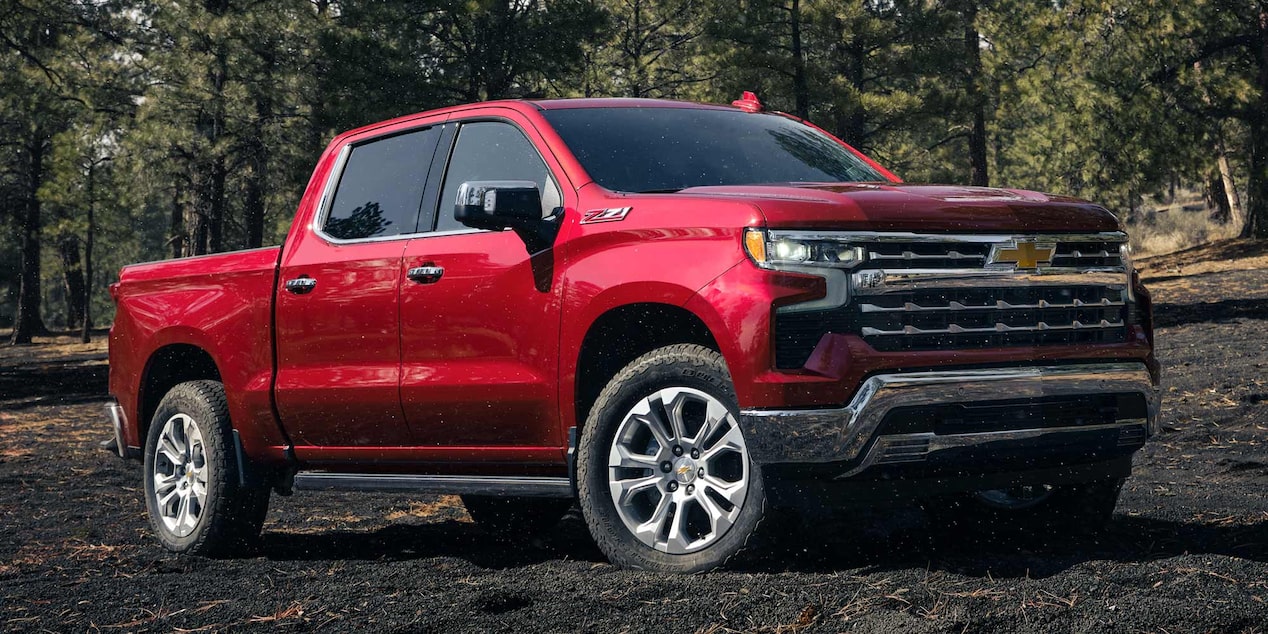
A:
615	214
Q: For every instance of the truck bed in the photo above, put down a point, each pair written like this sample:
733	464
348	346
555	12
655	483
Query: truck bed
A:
222	303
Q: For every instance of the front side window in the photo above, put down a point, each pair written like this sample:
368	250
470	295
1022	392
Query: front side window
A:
381	188
493	151
668	149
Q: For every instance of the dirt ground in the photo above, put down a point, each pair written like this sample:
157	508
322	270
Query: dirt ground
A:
1187	550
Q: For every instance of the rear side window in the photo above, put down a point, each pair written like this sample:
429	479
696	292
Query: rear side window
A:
493	151
381	188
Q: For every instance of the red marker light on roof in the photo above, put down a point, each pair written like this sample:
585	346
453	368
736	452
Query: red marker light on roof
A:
748	102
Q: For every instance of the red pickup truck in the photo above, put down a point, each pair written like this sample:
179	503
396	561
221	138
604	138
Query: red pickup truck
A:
684	318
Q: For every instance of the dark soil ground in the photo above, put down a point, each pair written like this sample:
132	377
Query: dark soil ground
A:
1187	550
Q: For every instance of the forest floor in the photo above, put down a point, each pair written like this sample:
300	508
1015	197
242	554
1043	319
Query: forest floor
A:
1187	550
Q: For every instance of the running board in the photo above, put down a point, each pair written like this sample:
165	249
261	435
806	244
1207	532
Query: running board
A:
526	486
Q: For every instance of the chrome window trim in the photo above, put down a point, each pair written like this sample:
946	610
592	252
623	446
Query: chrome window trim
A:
332	181
453	145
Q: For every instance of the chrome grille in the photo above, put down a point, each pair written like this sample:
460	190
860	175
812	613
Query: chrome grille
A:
927	292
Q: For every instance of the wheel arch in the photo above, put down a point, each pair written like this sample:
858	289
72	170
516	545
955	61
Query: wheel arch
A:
167	367
624	333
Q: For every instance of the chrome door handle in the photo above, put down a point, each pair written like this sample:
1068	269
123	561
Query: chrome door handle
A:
425	274
301	285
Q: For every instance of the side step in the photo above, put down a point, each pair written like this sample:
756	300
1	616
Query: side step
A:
526	486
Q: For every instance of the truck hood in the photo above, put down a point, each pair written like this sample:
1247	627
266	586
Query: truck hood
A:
901	207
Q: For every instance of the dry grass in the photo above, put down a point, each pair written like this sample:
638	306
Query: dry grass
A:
442	506
1176	230
1181	224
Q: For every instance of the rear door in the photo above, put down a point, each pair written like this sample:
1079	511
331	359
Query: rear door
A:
338	336
481	337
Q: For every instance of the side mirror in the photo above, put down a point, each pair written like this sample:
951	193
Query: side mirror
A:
498	205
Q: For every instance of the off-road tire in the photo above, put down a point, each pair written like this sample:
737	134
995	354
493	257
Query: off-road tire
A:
682	365
230	521
513	519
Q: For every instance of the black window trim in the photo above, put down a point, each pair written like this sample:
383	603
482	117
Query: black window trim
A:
336	174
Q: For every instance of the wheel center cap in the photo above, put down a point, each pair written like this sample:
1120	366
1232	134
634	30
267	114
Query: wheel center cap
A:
685	470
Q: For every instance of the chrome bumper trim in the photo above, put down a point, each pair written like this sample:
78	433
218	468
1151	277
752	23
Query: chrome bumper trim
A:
834	435
115	414
880	281
971	238
904	448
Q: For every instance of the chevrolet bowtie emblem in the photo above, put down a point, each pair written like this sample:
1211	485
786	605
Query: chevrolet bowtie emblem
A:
1025	255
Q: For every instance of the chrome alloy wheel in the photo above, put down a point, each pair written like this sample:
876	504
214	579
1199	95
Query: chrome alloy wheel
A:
678	470
1015	498
180	475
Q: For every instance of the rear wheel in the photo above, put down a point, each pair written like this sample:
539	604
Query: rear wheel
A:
663	472
195	502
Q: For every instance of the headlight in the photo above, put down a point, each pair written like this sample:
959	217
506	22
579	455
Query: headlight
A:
1125	254
790	250
813	253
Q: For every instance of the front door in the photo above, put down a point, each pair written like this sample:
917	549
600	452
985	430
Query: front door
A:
338	337
480	332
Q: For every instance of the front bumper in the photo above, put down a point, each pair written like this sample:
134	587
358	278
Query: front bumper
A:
861	435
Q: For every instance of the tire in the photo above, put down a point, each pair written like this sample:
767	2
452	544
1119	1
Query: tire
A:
189	448
702	511
514	518
1072	509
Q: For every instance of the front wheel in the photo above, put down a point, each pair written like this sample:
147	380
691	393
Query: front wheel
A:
195	502
664	476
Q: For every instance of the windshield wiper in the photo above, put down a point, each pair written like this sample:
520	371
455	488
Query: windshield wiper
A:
660	191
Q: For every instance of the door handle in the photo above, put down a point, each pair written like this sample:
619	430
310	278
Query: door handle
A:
429	274
301	285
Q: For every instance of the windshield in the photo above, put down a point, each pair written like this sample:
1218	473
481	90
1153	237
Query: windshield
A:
667	149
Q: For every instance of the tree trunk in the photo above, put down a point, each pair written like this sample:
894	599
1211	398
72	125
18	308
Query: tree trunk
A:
1232	202
254	213
851	121
1231	206
257	155
801	86
176	233
1257	184
73	274
973	93
216	217
86	325
28	322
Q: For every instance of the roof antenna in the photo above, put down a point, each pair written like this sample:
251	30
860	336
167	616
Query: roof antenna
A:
748	102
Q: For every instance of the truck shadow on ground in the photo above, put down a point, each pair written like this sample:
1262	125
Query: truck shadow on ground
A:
1170	315
826	548
52	383
1012	554
449	538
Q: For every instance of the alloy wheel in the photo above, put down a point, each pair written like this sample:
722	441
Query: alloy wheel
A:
678	470
180	475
